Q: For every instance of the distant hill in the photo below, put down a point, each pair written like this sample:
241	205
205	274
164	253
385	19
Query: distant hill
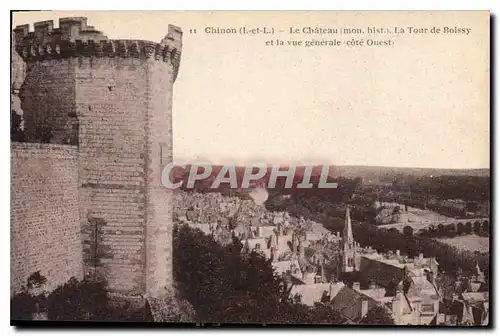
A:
181	174
367	173
425	181
388	174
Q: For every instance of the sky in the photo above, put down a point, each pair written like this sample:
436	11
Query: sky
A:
422	102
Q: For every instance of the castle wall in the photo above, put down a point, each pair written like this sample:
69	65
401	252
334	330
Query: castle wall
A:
112	103
45	227
123	108
159	200
18	68
48	101
113	99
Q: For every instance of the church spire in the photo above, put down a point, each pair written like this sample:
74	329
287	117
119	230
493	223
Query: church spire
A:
479	274
348	263
347	234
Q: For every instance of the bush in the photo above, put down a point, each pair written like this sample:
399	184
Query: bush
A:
78	300
22	306
378	315
73	301
31	299
223	286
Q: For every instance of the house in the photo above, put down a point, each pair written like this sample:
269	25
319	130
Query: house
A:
316	292
466	309
352	304
290	267
257	244
206	228
470	302
405	286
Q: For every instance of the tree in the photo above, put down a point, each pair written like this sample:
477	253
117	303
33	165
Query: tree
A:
298	313
408	231
73	301
31	300
223	286
220	284
79	301
378	315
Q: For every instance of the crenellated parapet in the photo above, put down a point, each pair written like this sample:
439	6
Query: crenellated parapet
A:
74	38
70	29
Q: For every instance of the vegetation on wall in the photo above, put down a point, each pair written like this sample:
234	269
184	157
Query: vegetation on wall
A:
94	249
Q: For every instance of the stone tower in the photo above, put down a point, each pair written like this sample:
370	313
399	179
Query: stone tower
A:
112	99
348	246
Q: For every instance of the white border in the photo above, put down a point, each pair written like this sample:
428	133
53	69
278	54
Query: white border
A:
492	5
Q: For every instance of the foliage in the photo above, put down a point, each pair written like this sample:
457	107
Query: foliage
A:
31	299
78	300
449	258
98	250
462	187
36	280
74	300
378	315
216	280
23	306
170	308
408	231
450	230
298	313
223	286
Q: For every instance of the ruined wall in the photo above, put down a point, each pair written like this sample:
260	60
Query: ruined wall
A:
45	226
116	105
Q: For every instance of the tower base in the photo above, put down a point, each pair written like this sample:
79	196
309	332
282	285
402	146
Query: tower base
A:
170	308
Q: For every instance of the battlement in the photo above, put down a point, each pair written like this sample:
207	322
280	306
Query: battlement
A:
74	38
70	29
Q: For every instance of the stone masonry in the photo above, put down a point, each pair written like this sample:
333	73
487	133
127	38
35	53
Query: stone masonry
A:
113	100
45	225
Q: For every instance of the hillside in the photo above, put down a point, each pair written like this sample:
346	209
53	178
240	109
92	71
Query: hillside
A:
381	174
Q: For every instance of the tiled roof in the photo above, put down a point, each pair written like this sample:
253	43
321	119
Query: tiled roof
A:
422	287
475	297
303	263
426	320
381	273
349	303
281	266
312	293
254	241
284	243
319	228
375	293
266	231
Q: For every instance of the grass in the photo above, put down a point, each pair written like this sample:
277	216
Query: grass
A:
469	242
